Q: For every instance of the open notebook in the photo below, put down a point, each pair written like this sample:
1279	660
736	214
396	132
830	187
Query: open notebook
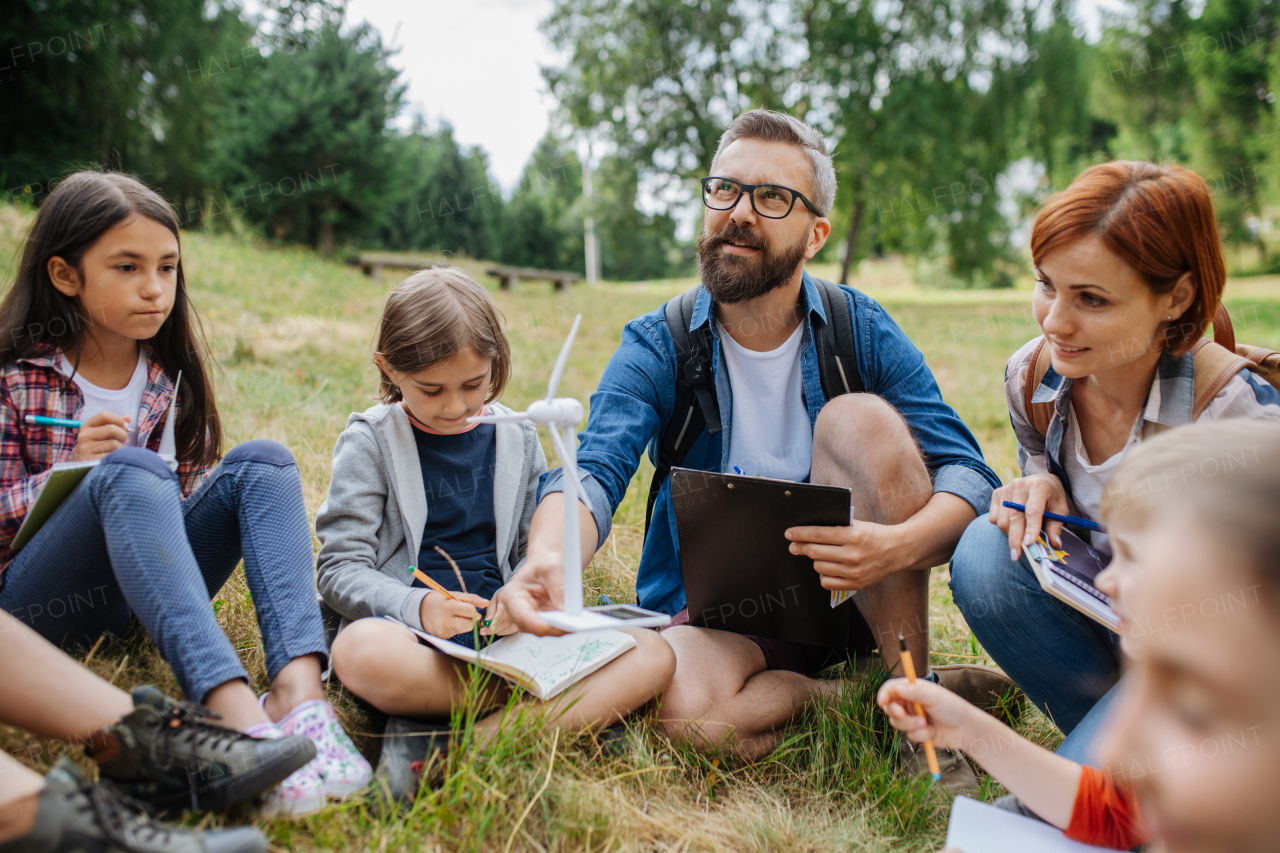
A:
979	828
65	476
545	666
1069	575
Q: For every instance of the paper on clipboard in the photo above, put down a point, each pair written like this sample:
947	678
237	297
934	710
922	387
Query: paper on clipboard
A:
840	596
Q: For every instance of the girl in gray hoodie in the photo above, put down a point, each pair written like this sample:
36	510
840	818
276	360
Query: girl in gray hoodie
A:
410	475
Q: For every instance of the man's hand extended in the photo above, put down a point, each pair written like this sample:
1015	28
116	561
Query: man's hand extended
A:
865	553
539	585
534	588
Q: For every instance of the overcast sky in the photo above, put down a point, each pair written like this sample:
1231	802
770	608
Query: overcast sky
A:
476	63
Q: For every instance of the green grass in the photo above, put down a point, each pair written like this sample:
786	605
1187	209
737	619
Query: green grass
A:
292	333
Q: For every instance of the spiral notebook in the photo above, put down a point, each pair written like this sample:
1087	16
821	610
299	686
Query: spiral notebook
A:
65	476
1069	574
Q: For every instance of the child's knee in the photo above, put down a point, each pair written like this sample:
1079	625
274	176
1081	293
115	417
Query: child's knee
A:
655	658
360	650
136	459
262	450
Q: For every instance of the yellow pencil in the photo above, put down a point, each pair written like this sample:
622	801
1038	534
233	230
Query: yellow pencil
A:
910	670
432	585
422	576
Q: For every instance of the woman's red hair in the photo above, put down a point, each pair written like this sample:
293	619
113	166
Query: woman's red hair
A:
1159	219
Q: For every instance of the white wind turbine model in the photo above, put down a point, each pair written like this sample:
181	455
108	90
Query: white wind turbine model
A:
561	416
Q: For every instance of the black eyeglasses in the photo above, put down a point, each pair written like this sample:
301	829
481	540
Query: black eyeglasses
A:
768	200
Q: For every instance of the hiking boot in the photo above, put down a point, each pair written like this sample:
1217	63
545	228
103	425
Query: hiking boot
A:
986	687
170	756
410	751
75	816
957	776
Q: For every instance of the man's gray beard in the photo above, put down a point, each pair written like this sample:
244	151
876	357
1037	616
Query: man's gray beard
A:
731	279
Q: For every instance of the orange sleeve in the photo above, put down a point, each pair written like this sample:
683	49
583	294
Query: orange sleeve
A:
1105	814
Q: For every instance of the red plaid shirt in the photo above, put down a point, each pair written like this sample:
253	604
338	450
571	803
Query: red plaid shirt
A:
34	385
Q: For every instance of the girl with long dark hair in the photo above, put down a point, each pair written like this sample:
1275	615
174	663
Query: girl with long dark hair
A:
96	328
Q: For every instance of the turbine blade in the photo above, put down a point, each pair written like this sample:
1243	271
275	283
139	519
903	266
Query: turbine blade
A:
498	419
562	359
570	470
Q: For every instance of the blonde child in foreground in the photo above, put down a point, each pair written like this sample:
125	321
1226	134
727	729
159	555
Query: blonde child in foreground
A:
410	475
1194	578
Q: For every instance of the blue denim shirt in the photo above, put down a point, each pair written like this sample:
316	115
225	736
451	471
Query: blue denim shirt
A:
637	395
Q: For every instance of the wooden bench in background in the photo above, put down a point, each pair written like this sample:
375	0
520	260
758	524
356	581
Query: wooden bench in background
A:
508	276
371	263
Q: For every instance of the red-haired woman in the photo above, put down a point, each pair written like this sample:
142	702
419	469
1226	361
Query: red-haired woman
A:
1129	273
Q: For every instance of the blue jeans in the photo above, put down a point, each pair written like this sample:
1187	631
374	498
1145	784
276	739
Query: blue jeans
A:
1064	661
1081	746
126	543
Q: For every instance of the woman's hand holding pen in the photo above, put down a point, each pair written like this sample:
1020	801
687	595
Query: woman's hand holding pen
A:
100	435
1038	493
444	617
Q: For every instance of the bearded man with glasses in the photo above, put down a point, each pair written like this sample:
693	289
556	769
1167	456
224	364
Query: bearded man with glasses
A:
916	472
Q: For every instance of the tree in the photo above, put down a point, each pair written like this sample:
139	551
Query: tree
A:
542	223
303	148
662	79
923	100
439	196
1229	118
1142	84
633	245
127	85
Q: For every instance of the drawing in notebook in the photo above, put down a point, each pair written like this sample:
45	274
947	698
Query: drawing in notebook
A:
65	476
545	666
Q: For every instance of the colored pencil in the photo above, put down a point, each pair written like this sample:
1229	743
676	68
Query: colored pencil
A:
910	671
41	420
431	584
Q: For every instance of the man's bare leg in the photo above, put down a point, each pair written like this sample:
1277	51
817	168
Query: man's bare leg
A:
722	697
19	798
49	693
860	441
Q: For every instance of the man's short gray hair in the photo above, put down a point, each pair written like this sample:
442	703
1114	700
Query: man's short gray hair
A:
773	126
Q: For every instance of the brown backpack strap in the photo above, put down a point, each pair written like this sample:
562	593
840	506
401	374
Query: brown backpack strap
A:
1266	362
1038	414
1224	333
1215	366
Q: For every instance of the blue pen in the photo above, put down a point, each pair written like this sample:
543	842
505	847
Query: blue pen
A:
738	470
41	420
1068	519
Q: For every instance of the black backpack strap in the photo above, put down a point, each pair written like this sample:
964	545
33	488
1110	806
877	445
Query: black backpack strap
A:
696	406
837	358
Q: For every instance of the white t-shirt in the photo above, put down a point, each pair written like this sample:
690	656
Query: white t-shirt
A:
769	431
125	402
1088	481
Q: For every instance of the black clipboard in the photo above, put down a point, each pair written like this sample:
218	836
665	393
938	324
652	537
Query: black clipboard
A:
739	575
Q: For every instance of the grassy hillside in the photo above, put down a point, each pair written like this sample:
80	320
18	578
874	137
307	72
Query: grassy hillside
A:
292	335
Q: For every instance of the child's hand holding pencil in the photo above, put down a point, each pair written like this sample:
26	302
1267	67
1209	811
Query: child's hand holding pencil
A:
949	721
444	613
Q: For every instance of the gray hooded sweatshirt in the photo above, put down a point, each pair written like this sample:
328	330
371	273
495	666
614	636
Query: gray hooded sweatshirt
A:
371	523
